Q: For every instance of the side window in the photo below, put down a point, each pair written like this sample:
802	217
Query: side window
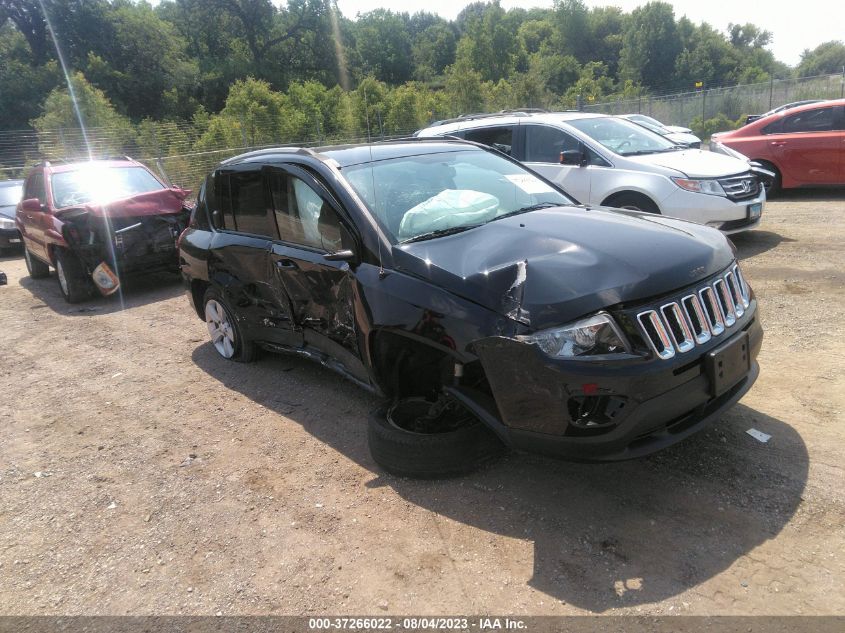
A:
773	128
35	188
543	144
303	217
499	137
818	120
248	204
220	203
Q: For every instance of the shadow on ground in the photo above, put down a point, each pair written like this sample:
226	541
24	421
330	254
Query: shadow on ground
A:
605	535
135	291
825	194
753	243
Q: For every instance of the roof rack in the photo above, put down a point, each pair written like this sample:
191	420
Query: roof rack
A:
269	151
490	115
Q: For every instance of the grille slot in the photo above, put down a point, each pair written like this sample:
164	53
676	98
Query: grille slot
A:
742	187
725	302
679	326
656	334
743	287
697	320
733	291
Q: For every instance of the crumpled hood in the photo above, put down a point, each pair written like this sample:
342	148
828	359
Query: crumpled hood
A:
548	267
159	202
695	163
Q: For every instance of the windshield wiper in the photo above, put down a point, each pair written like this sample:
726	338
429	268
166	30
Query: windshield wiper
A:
439	233
531	207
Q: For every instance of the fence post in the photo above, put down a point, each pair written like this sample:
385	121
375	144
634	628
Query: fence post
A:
243	129
649	105
639	104
771	91
842	85
703	106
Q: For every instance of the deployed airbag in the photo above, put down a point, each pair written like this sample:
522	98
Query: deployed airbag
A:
448	209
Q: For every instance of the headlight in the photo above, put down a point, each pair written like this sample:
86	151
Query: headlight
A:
6	223
595	335
700	186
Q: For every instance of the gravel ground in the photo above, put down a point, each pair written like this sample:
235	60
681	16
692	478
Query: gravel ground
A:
142	474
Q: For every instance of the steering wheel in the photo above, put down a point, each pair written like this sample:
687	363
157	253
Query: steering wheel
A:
623	144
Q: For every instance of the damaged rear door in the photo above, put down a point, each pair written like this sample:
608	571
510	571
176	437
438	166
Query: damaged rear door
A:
320	289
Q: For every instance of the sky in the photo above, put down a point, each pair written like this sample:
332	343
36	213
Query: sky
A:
792	30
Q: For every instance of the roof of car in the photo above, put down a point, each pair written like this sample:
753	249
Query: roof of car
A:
509	119
348	155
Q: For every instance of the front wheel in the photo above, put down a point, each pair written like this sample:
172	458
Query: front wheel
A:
423	440
225	333
73	281
633	202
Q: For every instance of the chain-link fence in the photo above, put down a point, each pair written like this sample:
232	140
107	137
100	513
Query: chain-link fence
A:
732	102
183	153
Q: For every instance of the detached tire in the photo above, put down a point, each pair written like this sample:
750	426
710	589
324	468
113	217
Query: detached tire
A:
429	455
70	273
225	332
34	266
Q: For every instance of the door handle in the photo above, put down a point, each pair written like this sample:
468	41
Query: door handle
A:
778	143
285	264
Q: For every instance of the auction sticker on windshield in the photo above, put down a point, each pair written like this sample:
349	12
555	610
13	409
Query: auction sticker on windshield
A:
529	184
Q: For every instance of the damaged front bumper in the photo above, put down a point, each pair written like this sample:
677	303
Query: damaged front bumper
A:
111	248
602	410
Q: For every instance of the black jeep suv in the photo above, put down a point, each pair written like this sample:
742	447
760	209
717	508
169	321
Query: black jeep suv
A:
446	276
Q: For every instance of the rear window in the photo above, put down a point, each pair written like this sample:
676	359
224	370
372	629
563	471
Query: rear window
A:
818	120
97	183
10	195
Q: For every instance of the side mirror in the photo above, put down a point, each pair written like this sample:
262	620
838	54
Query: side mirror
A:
345	255
573	157
32	205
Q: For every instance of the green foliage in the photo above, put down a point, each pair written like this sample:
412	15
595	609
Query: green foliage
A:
704	129
65	127
827	58
650	44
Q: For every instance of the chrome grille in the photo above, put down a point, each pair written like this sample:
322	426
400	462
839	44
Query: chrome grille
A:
679	326
742	187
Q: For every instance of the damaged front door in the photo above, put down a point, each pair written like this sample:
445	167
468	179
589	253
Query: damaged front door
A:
320	288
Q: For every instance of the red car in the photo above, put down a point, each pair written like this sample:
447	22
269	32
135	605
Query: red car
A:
803	146
96	221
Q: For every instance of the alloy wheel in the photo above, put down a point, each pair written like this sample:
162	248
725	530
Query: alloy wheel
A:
220	328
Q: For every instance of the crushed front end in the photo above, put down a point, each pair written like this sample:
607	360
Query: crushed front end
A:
674	363
111	247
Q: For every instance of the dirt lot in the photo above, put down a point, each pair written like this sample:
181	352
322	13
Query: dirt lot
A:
140	473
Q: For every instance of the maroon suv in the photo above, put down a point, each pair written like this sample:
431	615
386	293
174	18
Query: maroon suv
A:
96	221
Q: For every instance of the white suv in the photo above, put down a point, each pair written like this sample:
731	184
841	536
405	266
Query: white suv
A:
610	161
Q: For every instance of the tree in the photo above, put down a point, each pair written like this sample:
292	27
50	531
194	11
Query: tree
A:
81	124
384	45
433	49
650	45
463	88
826	58
27	17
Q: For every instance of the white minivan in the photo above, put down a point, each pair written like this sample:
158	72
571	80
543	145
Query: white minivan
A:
610	161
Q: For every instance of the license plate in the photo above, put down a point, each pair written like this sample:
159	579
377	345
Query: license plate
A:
755	210
14	240
727	364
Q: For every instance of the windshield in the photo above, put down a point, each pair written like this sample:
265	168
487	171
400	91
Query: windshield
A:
10	196
622	136
101	184
651	124
416	197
